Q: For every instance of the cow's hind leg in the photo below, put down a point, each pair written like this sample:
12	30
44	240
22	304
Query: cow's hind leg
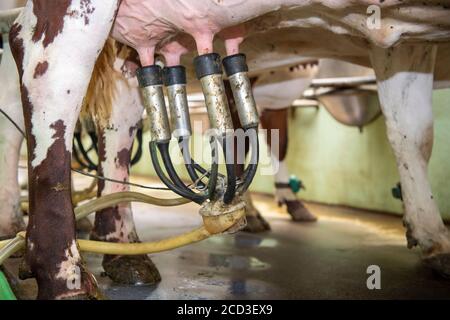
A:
405	81
116	223
255	221
55	47
11	219
277	119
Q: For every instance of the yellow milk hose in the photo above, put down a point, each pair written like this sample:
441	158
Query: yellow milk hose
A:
212	225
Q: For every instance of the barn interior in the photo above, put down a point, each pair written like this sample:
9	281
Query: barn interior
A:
327	259
324	214
349	187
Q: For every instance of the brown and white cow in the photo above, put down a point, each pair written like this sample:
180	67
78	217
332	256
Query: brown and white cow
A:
55	45
111	90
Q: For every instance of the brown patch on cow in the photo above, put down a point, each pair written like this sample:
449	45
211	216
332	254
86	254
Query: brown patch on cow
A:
50	19
131	61
105	224
101	157
86	10
17	48
123	157
59	128
18	52
105	219
132	129
40	69
276	120
427	143
118	45
51	209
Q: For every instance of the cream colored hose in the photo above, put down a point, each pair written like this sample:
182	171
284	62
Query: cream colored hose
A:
212	225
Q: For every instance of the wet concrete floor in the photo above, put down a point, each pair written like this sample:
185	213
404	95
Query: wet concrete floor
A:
323	260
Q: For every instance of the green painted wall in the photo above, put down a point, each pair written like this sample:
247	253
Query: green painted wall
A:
341	165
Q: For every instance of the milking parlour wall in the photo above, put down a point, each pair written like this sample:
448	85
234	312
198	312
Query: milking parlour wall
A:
366	163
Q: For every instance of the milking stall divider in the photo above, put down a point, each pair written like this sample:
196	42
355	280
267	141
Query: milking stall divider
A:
222	208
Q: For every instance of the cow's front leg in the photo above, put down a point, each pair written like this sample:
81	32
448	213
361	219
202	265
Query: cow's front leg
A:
116	224
55	47
405	82
277	119
11	219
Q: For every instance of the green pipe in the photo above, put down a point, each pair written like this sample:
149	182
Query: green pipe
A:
6	292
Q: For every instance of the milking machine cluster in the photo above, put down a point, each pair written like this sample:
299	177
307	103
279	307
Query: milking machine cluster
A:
227	189
222	208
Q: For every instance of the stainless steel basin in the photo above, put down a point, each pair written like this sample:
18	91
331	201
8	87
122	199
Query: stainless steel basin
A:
352	107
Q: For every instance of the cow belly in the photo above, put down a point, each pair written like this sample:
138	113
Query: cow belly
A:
319	28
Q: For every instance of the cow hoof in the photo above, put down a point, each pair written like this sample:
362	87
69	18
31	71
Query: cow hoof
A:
84	288
84	226
134	270
440	264
256	224
299	212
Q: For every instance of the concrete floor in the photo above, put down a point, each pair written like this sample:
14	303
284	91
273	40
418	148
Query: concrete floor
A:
323	260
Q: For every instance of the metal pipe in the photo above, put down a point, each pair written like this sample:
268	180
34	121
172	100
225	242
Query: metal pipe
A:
343	81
